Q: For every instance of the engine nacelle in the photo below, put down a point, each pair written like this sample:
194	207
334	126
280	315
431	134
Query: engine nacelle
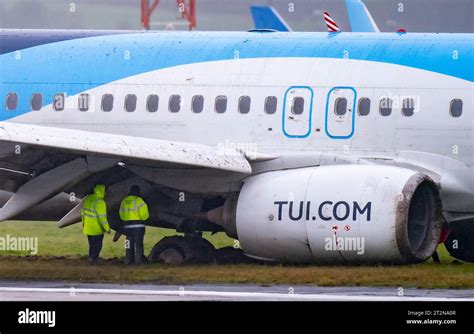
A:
334	214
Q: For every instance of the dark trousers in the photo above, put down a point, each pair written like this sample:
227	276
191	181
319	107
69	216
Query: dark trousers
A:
134	245
95	246
435	257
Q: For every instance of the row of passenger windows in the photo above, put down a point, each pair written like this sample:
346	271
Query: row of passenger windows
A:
220	104
152	103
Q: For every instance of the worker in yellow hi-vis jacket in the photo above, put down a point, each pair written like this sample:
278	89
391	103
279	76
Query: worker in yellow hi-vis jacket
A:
134	213
94	221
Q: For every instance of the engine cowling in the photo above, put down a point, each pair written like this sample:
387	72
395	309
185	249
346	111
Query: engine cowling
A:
334	214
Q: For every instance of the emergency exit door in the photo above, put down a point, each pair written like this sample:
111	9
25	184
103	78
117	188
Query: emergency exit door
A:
340	112
297	109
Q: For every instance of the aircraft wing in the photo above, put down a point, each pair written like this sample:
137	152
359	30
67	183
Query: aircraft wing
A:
125	147
266	17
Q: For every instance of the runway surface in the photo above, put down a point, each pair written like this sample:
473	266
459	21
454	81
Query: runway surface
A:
66	291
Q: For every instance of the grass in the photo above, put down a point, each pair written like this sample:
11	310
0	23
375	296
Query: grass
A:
61	256
70	241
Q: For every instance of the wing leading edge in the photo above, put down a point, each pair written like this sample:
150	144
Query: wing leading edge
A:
112	145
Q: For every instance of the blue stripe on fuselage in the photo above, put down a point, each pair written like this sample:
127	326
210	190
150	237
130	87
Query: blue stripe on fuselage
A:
14	40
73	66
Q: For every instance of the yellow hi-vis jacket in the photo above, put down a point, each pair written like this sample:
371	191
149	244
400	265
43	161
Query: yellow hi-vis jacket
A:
133	208
94	213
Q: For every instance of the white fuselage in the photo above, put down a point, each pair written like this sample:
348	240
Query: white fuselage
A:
431	139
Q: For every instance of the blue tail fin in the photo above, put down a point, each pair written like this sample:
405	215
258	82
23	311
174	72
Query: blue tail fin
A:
359	17
266	17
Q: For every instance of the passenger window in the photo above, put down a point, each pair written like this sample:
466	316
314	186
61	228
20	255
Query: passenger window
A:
385	107
83	102
175	103
271	103
197	104
297	107
107	102
12	101
456	108
130	102
221	104
364	106
152	103
244	104
340	106
408	107
36	101
59	101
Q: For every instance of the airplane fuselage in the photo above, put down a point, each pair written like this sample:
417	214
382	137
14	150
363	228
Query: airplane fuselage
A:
403	99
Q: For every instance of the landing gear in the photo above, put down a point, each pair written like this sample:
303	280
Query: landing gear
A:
460	241
190	249
193	249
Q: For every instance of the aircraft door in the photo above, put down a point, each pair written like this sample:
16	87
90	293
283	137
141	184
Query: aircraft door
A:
297	112
340	112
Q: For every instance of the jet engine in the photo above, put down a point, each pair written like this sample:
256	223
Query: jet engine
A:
335	214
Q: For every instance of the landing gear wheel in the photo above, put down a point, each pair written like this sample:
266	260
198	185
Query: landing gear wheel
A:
182	250
460	241
231	255
171	256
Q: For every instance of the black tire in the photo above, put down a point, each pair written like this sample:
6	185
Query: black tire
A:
204	251
460	241
231	255
178	250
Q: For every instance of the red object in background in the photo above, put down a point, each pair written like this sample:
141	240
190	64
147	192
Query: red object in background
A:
444	233
330	23
186	7
402	31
